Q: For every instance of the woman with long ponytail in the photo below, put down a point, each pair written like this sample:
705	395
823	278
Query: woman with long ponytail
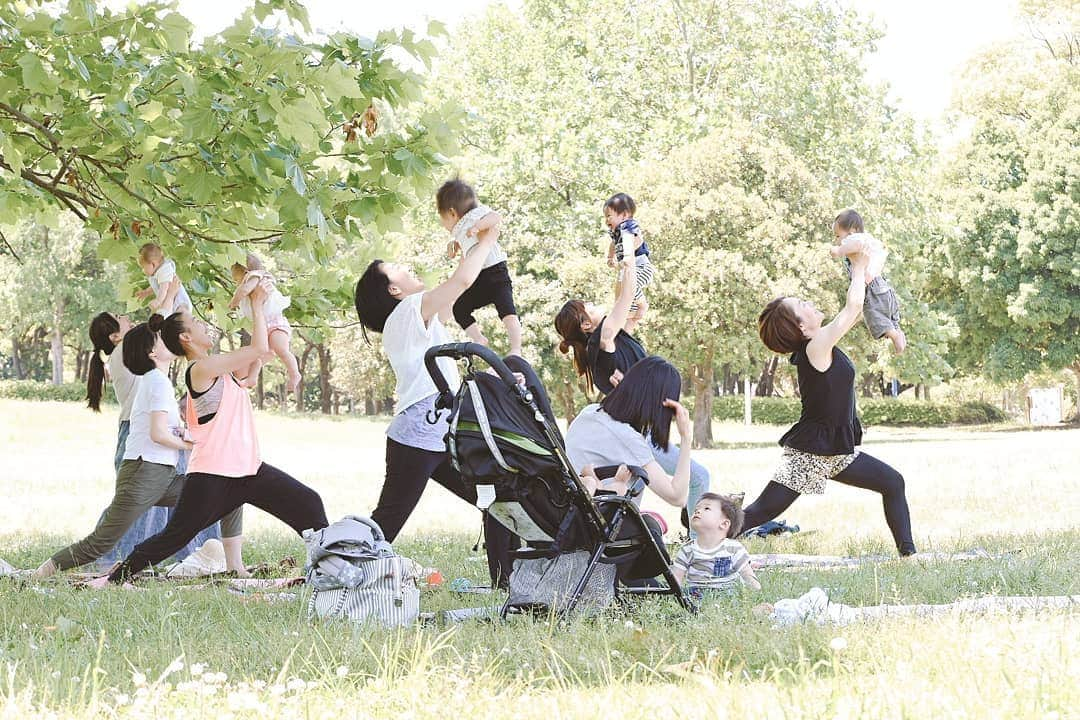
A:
107	332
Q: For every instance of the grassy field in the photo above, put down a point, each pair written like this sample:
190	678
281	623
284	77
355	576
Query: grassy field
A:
170	652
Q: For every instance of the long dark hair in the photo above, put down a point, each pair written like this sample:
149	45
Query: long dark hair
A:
101	327
373	300
170	329
568	325
639	399
139	343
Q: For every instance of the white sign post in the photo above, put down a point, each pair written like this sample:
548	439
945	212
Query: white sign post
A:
747	419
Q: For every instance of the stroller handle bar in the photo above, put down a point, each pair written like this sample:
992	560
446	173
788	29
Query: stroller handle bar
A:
457	351
638	477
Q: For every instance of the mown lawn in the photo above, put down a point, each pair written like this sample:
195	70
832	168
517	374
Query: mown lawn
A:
166	651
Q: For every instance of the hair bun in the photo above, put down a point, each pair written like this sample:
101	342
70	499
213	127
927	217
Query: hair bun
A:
564	347
156	322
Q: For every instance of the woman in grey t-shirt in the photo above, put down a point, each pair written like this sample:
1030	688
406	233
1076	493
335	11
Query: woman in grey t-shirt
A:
623	428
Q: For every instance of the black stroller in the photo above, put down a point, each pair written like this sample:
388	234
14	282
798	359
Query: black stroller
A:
504	440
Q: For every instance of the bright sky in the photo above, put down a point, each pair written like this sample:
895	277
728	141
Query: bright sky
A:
925	44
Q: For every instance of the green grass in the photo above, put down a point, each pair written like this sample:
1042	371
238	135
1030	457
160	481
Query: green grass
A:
74	653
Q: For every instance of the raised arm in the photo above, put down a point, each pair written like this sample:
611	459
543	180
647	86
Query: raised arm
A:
853	244
441	298
489	221
819	349
620	312
673	489
238	361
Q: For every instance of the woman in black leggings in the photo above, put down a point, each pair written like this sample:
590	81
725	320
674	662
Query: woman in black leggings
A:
392	301
821	445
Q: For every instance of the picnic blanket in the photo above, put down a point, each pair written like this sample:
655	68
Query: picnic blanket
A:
793	561
814	606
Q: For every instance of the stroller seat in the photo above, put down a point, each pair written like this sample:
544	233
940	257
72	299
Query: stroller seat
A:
504	441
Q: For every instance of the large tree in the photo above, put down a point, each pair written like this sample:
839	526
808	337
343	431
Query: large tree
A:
256	139
1010	263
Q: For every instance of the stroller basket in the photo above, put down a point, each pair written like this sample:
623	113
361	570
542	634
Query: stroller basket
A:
504	440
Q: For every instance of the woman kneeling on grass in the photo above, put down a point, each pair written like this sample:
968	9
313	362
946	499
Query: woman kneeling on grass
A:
625	428
225	470
147	474
821	446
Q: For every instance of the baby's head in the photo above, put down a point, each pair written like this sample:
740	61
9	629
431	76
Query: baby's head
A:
847	222
239	270
618	208
150	258
717	512
453	200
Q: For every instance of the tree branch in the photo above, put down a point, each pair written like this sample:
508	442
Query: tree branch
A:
10	249
19	115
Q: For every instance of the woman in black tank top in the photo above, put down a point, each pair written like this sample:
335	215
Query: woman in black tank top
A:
821	446
604	352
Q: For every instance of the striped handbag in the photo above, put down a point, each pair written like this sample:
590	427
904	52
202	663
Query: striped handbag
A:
354	574
388	594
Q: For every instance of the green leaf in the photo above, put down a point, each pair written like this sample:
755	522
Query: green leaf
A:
177	31
295	174
79	66
34	76
339	81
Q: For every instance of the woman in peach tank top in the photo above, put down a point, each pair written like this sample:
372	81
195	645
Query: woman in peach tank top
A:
225	470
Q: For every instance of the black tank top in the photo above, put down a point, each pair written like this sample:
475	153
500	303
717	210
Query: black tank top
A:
828	424
604	364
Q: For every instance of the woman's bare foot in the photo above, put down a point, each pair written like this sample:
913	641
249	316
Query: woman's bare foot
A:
47	569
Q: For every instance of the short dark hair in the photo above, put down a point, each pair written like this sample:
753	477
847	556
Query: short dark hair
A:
849	220
455	195
778	327
373	300
731	508
638	400
139	343
621	203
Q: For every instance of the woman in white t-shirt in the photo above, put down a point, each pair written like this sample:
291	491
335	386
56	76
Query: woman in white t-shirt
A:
622	428
147	474
392	301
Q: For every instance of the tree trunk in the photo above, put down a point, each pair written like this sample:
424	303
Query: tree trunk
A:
324	378
369	402
702	375
565	397
57	349
303	365
16	358
767	381
1076	374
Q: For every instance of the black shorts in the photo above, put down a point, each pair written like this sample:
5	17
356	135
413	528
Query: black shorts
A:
492	287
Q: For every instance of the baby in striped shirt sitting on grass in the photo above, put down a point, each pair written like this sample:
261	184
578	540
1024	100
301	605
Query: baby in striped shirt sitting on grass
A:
714	560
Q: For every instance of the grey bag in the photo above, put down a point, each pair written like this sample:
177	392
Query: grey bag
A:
355	575
387	593
550	582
